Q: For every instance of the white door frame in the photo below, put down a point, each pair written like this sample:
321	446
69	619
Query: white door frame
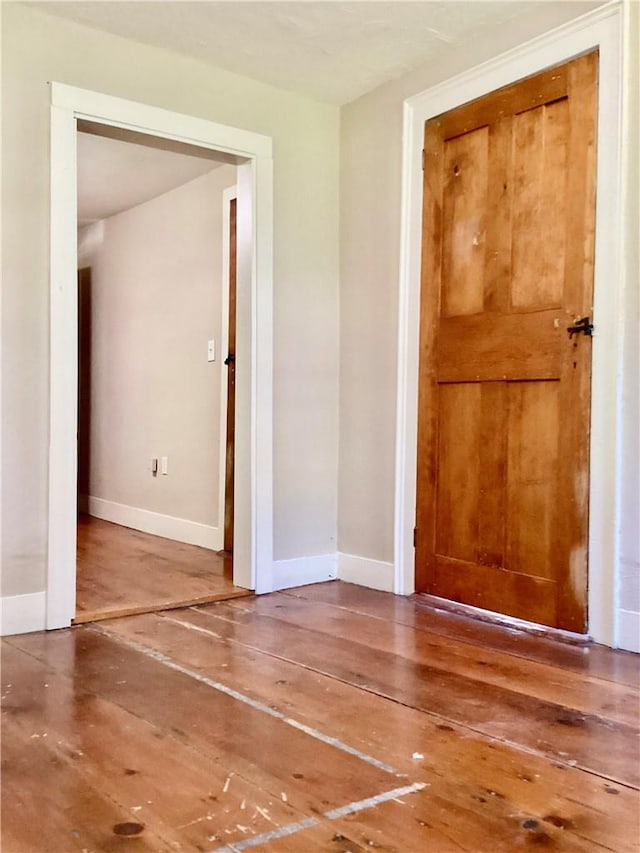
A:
600	29
253	541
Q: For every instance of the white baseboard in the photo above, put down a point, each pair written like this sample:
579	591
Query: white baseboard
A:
629	630
304	570
20	614
179	529
365	572
360	570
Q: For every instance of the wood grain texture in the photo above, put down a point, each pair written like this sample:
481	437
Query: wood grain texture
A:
533	644
575	392
498	263
488	347
431	278
121	571
507	266
527	94
492	504
459	476
540	228
465	199
532	459
84	380
123	724
231	384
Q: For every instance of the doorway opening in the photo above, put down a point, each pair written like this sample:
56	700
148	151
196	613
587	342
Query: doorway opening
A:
119	443
152	296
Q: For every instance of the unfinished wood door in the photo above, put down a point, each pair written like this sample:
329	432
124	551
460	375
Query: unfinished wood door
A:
230	361
507	269
84	387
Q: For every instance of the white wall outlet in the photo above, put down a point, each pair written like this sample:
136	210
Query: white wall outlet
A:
164	465
211	350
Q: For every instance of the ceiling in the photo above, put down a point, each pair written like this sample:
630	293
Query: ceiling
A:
329	51
115	175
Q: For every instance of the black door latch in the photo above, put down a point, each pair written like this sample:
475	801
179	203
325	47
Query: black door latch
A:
582	326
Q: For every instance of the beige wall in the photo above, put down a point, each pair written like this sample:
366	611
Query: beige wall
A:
156	298
38	48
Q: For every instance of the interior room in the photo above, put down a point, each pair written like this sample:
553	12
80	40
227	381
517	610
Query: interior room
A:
320	416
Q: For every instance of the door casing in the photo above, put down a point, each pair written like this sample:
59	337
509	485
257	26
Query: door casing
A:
253	546
601	29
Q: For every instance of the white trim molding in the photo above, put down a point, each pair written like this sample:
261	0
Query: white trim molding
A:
363	571
168	526
600	29
302	571
629	630
20	614
253	542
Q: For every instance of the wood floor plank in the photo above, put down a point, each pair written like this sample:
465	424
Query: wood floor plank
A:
48	807
403	827
291	723
593	743
408	825
571	690
211	721
121	571
592	659
154	778
485	779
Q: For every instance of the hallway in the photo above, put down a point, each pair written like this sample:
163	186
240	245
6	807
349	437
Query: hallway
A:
121	571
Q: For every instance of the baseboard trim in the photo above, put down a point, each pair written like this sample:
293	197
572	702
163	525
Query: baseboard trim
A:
375	574
178	529
21	614
629	630
304	570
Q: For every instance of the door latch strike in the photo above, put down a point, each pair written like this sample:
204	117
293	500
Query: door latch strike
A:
582	326
415	536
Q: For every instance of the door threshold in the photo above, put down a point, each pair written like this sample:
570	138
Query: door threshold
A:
480	615
117	612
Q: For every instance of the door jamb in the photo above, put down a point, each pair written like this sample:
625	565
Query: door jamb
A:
227	196
600	29
253	560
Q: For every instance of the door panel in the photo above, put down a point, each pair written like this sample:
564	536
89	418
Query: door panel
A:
539	201
532	458
459	470
465	201
507	267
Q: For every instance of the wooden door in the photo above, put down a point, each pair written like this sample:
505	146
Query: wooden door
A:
84	386
507	268
230	361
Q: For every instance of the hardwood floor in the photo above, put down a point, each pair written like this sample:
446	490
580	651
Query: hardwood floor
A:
327	718
121	571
